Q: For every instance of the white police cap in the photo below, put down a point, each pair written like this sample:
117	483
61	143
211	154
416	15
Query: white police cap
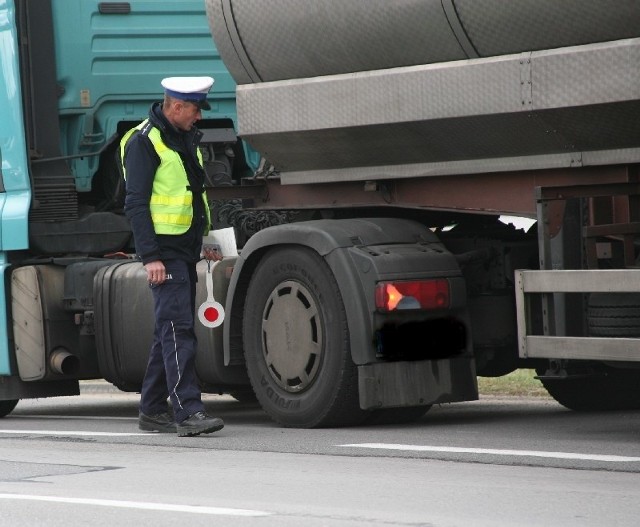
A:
192	89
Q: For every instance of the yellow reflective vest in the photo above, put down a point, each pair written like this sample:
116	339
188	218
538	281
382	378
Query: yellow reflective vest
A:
171	201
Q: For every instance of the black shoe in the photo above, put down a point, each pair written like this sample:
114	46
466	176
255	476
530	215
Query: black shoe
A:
162	423
199	423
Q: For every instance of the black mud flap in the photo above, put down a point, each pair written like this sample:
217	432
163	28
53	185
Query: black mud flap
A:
417	383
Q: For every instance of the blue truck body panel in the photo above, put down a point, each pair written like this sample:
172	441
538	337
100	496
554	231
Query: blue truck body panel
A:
14	179
108	68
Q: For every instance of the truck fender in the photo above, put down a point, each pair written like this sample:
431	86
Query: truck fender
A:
339	242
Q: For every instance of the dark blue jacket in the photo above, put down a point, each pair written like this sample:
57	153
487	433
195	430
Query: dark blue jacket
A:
141	162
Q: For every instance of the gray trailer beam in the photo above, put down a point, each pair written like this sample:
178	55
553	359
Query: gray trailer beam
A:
570	281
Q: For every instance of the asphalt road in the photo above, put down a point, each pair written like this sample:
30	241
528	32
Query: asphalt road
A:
494	462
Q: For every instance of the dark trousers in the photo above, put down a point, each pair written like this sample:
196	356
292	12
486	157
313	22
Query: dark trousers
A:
171	367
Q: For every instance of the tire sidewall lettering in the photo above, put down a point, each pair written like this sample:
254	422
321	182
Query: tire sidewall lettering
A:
309	279
279	400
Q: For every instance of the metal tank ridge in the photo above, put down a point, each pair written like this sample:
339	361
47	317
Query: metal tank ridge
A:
262	40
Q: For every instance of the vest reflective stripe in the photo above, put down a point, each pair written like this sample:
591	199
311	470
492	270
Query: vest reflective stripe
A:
171	219
171	202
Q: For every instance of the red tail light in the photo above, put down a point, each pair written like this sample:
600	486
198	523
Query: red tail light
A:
415	294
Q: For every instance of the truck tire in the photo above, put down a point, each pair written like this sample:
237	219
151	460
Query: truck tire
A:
614	315
604	390
296	342
6	407
601	388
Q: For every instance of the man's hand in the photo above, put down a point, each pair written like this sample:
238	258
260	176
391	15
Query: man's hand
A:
212	252
156	272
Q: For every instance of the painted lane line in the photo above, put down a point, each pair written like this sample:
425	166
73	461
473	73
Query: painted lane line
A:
75	417
74	433
195	509
496	452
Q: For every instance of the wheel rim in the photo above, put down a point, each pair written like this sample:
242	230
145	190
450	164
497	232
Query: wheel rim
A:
292	339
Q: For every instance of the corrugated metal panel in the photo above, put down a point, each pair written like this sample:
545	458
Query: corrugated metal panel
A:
283	39
581	99
499	27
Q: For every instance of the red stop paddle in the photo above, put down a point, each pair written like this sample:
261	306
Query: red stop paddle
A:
210	312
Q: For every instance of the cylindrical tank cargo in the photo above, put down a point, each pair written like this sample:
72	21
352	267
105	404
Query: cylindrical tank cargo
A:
280	39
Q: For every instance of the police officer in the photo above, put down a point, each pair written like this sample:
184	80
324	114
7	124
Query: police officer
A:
168	211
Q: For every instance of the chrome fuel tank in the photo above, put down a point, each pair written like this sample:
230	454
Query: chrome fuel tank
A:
124	326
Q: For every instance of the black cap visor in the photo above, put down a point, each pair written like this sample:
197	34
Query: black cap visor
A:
203	104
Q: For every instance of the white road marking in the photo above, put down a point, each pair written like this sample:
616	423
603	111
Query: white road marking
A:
74	417
195	509
74	433
496	452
